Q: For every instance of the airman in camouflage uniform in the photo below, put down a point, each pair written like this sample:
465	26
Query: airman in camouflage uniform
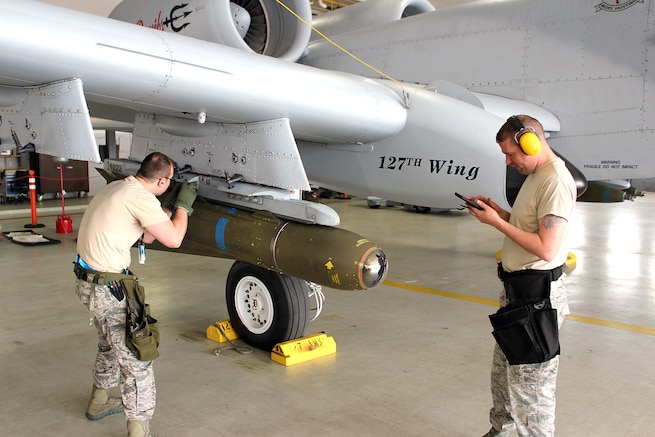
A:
536	238
119	215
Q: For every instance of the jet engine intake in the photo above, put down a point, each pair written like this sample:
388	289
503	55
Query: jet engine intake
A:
257	26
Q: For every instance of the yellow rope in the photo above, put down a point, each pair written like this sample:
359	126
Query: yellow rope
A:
322	35
361	61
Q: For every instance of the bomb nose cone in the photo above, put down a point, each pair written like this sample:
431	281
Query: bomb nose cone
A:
373	268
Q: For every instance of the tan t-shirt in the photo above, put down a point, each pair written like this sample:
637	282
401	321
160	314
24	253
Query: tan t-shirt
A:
549	190
114	220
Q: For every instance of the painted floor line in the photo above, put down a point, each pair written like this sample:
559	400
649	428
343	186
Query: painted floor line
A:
492	302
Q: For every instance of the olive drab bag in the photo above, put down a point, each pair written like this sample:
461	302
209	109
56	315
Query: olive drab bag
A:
142	330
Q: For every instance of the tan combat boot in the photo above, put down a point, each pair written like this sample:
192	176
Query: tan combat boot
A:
138	428
101	404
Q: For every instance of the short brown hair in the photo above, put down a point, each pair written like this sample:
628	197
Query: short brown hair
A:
508	129
156	165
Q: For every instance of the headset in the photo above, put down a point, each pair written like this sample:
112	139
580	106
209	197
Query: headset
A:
525	137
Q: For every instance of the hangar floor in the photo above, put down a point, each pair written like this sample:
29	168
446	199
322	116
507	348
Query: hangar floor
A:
412	356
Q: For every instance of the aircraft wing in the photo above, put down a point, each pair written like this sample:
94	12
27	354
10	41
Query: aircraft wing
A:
236	116
143	70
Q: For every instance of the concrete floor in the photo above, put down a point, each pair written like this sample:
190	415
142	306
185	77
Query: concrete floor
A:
412	356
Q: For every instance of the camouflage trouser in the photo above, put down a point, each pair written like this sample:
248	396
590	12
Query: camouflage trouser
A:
524	394
115	363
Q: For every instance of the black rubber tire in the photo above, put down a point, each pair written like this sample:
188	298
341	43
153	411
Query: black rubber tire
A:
266	307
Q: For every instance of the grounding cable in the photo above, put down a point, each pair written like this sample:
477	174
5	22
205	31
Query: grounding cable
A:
242	349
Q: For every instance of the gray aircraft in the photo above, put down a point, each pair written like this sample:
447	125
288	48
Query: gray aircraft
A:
391	99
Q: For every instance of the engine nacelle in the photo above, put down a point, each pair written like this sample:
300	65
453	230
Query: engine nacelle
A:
368	13
257	26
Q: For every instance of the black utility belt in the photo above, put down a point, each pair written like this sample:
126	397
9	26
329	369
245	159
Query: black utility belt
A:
100	278
552	274
96	277
524	287
112	280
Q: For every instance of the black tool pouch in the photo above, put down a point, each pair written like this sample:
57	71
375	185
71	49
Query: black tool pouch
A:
526	334
526	329
142	330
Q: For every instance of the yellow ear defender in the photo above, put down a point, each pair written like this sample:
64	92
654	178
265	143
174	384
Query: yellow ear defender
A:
525	137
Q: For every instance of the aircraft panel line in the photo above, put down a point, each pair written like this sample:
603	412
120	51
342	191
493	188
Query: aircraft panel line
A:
122	49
